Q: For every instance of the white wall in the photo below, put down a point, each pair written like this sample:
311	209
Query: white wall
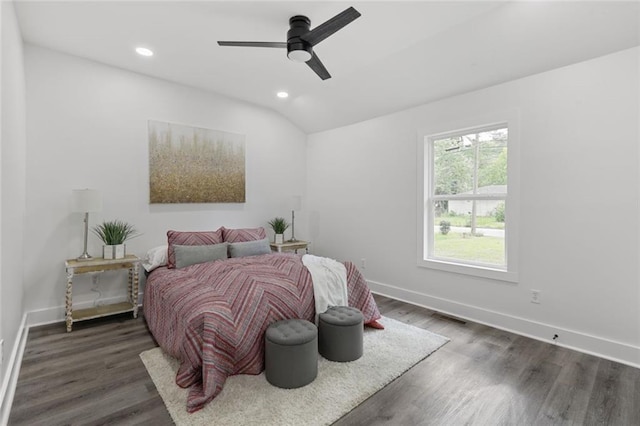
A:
87	128
12	202
12	181
578	214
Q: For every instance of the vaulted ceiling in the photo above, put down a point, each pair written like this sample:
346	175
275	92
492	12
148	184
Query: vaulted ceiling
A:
396	55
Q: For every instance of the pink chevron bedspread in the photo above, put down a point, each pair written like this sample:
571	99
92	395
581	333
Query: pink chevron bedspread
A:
212	316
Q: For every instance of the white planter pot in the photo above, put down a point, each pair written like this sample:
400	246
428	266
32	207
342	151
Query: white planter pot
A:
114	252
279	238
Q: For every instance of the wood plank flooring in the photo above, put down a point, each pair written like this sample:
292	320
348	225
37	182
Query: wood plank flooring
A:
484	376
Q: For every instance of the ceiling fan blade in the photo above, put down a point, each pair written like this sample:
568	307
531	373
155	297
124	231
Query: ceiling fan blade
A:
329	27
316	65
252	44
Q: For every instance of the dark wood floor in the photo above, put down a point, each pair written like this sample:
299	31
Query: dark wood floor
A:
484	376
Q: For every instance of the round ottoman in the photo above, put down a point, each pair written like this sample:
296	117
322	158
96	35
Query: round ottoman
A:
340	332
291	353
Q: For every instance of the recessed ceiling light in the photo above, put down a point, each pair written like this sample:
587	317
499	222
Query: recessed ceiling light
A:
143	51
282	95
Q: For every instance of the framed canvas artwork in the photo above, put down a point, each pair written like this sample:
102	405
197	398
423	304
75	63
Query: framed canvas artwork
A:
195	165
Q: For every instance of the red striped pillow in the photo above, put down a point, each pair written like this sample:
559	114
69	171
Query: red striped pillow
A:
243	234
190	239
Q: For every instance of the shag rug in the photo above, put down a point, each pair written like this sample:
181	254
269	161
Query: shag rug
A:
338	389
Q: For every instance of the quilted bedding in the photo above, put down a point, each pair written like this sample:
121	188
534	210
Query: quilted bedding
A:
212	316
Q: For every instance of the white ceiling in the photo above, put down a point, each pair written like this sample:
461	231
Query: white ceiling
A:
396	55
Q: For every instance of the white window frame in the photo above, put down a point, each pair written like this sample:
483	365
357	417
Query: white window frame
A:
508	119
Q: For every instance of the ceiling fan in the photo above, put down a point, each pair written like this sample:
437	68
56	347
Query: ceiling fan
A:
301	39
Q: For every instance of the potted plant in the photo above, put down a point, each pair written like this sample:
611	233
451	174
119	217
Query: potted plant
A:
113	234
279	225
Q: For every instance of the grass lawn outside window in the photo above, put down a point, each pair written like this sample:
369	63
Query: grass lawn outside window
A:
456	245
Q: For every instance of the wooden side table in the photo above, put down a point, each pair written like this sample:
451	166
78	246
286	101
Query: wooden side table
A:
98	264
290	245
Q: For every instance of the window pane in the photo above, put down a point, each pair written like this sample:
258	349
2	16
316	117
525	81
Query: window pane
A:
457	236
453	166
492	161
474	163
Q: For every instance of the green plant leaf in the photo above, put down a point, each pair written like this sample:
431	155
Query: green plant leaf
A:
279	225
115	232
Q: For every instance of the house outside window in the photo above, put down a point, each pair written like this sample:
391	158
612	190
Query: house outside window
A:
467	214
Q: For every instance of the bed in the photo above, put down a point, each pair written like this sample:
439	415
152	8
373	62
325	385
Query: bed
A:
211	315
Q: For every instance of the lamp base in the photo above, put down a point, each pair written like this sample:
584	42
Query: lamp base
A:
84	256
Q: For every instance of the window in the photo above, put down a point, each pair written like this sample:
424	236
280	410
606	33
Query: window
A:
466	197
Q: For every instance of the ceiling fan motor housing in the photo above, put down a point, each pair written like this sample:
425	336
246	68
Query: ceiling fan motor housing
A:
297	49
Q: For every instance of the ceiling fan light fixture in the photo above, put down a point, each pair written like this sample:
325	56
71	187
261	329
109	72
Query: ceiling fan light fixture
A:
298	50
299	55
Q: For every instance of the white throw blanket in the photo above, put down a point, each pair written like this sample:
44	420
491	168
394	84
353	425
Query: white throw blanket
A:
329	282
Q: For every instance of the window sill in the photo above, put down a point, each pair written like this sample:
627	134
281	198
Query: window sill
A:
473	270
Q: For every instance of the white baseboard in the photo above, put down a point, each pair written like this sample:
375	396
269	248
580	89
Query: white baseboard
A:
593	345
13	370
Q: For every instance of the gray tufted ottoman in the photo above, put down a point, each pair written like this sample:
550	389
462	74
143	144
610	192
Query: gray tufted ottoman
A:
340	333
291	353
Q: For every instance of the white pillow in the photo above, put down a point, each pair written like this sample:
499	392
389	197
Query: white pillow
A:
155	258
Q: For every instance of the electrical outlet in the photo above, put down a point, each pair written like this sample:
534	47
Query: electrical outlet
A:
535	296
363	263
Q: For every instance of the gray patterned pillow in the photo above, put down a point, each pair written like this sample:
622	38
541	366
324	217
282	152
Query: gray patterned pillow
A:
249	248
190	239
190	255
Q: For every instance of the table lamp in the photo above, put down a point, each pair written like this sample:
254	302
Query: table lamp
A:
296	204
85	201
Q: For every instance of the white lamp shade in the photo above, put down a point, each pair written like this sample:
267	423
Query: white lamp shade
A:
296	202
87	200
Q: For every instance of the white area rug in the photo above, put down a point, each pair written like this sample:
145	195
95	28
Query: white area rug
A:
339	387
